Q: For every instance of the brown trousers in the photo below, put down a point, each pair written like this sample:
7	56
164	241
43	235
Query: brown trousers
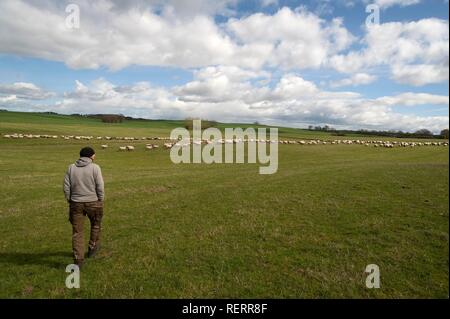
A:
94	211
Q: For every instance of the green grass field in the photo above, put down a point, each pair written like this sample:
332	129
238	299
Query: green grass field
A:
223	230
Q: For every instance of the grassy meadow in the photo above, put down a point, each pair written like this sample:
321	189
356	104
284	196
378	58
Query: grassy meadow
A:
223	230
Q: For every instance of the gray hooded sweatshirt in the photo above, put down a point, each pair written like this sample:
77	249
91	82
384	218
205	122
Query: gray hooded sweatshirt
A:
84	182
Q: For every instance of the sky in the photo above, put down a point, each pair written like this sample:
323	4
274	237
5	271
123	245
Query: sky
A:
278	62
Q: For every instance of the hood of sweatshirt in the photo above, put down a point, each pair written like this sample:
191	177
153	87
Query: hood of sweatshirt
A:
83	161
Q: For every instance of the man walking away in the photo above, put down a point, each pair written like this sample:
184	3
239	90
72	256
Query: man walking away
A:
84	190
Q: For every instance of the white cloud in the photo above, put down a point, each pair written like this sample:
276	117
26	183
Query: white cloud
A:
220	84
8	99
420	74
231	62
408	48
110	36
233	95
266	3
298	39
232	72
116	35
389	3
24	90
413	99
355	80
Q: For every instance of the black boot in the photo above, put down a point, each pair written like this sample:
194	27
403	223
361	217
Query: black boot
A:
93	251
79	263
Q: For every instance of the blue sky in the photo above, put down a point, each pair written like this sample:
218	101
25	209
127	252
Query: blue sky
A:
60	78
213	60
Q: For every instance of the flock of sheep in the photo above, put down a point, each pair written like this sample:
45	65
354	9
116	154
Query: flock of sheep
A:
131	147
77	137
185	143
387	144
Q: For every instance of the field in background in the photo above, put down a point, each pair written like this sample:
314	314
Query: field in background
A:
223	230
40	123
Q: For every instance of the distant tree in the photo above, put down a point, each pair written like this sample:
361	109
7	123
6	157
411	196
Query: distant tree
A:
189	124
208	123
111	118
444	133
423	132
310	127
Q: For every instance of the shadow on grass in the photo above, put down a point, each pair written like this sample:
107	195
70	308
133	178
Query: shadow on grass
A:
53	260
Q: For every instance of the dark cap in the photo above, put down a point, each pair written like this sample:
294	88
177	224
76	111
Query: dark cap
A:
87	152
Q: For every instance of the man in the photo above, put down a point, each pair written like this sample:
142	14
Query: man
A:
84	190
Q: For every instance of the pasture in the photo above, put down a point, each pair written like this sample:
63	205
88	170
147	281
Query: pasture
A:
223	230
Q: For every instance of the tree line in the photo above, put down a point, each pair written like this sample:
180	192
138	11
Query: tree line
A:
422	133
